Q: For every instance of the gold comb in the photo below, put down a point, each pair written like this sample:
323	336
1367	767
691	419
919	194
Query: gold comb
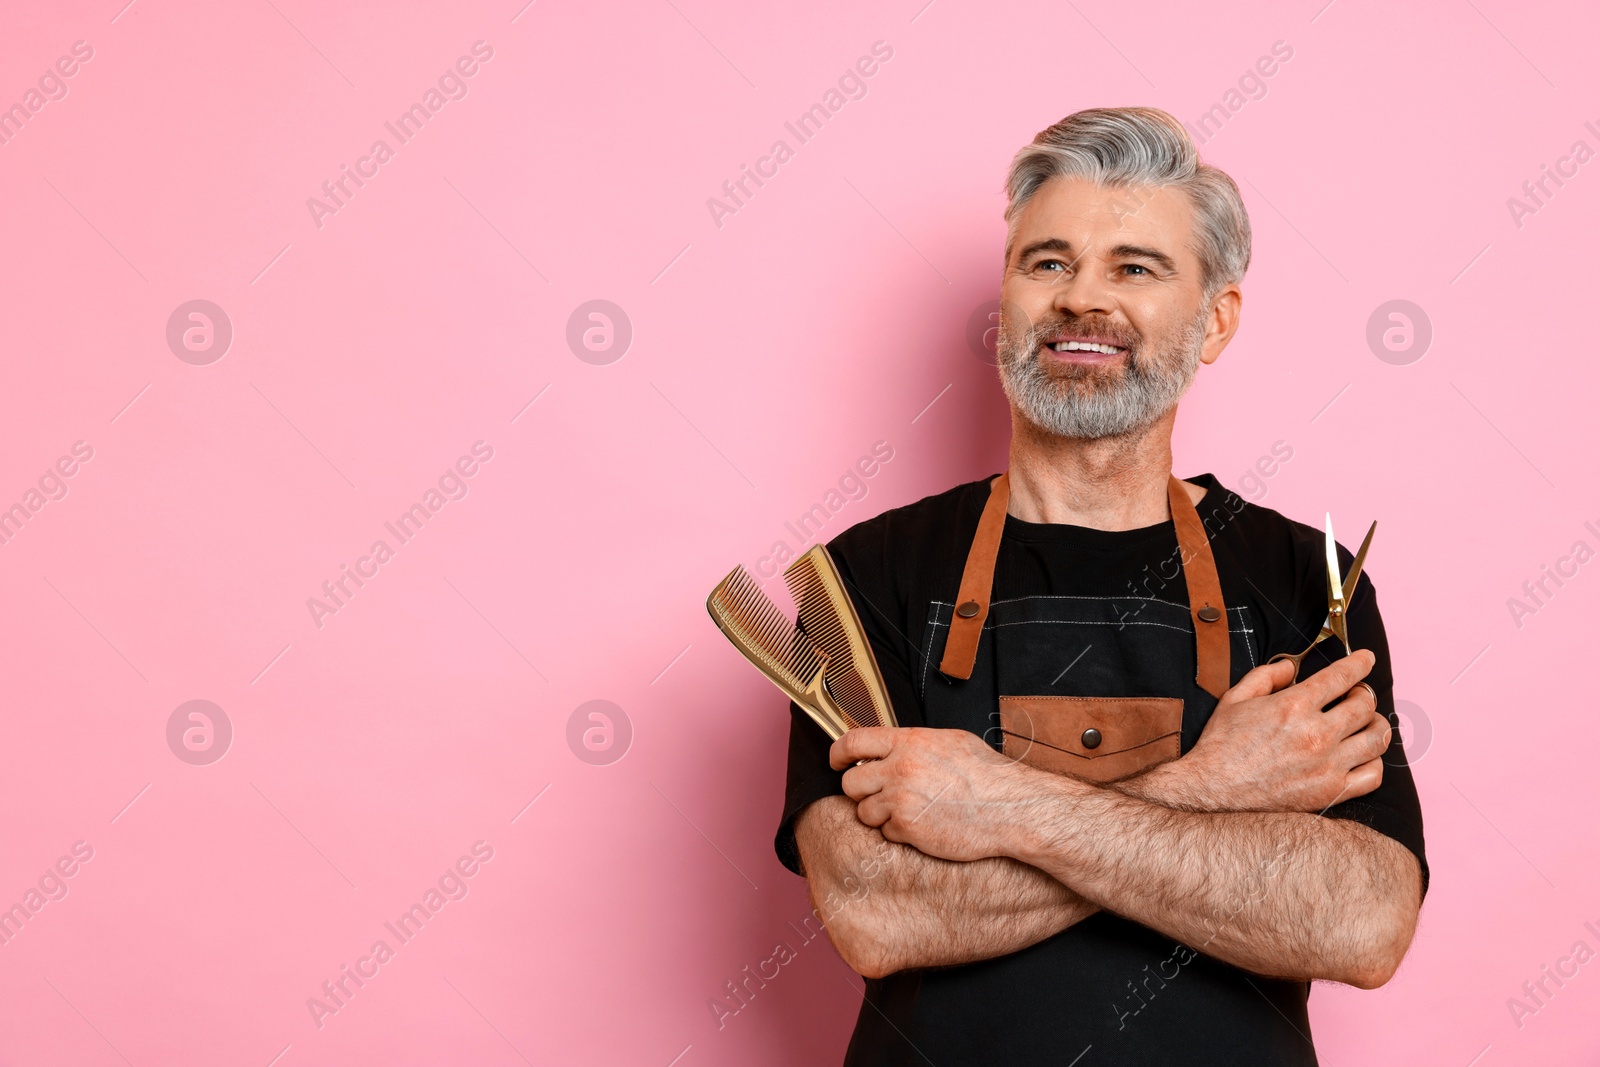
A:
829	619
767	638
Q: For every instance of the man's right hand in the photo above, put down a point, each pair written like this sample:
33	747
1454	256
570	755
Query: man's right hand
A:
1269	746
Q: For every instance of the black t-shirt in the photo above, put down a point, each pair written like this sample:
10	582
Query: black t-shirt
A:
1045	1003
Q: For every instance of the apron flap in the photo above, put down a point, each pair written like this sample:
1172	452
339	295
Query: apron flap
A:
1099	739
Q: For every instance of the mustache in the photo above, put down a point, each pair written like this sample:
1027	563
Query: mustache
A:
1015	350
1080	329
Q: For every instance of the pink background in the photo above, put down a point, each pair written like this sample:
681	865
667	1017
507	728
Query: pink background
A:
829	313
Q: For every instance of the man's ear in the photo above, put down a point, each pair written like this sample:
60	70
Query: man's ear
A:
1221	323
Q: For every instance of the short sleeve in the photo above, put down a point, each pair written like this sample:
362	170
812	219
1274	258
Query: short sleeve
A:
810	778
1392	809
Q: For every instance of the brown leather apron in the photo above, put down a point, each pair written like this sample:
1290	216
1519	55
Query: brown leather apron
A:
1134	715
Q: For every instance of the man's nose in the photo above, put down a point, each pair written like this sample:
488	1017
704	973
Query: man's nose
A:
1084	291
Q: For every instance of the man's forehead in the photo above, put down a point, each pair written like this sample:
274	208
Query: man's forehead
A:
1078	211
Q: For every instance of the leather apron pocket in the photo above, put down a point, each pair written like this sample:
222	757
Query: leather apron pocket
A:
1098	739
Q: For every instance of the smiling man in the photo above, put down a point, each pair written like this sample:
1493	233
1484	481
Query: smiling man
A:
1108	832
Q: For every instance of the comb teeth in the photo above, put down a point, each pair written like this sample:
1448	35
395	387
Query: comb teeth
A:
739	604
850	693
820	619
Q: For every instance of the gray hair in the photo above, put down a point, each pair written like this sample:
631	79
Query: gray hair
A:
1140	146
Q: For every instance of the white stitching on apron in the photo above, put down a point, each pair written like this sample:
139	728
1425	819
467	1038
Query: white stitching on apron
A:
934	624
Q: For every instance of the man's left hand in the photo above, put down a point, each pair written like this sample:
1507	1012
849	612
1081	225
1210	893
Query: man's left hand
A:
944	792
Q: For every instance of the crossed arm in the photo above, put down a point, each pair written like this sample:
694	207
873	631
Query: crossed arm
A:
888	907
945	852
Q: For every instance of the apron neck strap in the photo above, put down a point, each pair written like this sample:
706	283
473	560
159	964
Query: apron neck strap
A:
977	582
1207	610
1206	606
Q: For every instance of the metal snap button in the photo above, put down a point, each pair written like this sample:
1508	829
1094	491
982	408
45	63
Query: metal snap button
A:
1209	614
968	609
1091	738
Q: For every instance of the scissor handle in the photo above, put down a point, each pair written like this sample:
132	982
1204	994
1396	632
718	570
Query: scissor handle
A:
1292	657
1296	657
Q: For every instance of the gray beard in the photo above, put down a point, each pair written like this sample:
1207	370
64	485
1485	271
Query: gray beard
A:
1090	402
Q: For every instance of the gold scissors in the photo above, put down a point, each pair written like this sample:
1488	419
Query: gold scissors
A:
1338	596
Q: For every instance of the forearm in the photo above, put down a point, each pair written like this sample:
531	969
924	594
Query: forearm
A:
1289	894
1172	787
888	907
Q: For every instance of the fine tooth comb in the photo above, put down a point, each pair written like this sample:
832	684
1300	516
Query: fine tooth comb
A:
829	619
767	638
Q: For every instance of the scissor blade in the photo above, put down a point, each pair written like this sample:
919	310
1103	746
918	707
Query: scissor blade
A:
1361	559
1335	591
1332	627
1336	601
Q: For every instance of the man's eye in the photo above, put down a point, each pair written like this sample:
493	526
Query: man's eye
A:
1050	264
1136	266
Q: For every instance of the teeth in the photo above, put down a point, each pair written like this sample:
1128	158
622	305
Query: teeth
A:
1084	346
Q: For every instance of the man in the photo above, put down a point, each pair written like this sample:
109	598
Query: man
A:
1108	831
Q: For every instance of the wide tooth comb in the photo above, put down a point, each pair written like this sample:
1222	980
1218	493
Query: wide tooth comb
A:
771	641
828	618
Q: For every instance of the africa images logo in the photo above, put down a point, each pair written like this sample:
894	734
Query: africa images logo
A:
852	85
453	885
451	85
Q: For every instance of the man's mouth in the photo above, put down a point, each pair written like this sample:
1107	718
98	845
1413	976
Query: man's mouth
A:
1076	351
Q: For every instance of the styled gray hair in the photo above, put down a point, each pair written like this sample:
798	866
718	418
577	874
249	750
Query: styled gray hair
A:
1133	147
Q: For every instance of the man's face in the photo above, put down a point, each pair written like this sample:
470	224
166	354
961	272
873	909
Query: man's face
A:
1102	323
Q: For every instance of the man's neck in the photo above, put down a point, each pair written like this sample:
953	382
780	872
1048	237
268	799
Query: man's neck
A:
1112	483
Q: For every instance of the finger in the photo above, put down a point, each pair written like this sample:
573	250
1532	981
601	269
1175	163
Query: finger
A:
1367	744
873	811
863	781
1354	712
1337	678
866	742
1363	780
1263	680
